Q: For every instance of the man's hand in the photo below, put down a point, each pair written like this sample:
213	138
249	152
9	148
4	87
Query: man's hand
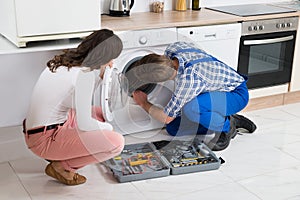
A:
140	98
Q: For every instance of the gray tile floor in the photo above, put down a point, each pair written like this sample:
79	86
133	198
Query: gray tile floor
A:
260	166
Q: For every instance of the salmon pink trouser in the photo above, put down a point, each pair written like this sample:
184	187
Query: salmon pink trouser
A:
74	148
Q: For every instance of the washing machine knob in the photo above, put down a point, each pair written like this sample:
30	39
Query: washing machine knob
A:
143	40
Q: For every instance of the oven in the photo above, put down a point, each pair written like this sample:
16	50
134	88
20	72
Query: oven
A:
267	50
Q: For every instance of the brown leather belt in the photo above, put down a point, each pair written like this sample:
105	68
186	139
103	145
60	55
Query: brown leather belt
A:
41	129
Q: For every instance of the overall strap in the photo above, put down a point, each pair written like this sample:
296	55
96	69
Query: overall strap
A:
209	57
189	50
206	59
186	50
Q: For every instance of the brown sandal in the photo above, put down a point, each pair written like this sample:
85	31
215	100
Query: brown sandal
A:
77	179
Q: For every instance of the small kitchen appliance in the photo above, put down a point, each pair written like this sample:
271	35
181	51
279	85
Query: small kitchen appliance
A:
120	8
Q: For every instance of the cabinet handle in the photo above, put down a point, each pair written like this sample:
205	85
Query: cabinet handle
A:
268	41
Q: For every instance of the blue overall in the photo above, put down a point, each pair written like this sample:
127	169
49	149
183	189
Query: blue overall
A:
210	111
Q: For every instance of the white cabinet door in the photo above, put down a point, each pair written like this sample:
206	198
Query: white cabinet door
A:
46	17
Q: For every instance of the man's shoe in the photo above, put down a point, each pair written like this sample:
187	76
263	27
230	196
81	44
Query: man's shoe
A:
77	179
244	123
222	140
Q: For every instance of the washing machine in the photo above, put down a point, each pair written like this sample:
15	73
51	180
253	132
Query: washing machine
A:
118	106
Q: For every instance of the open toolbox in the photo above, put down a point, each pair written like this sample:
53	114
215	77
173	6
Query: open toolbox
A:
187	156
138	162
162	158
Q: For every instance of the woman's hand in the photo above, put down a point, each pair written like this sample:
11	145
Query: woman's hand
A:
140	98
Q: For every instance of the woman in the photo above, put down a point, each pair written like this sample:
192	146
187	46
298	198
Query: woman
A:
207	93
61	125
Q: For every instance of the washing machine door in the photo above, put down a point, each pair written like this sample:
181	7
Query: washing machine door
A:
114	92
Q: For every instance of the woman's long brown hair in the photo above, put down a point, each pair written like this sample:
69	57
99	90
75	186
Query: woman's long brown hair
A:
95	50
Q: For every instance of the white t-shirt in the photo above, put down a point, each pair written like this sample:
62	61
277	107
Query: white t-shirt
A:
56	93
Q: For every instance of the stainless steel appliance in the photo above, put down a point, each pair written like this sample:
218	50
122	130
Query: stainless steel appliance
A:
120	8
267	50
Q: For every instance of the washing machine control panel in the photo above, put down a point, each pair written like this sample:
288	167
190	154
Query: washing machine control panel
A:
147	38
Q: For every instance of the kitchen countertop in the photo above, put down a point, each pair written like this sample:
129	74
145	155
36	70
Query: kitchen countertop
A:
149	20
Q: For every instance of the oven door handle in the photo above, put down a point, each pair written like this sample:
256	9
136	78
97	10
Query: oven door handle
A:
268	41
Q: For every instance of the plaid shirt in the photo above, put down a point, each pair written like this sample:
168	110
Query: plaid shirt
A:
198	72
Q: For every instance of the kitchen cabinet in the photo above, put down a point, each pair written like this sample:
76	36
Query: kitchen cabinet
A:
20	70
35	20
17	78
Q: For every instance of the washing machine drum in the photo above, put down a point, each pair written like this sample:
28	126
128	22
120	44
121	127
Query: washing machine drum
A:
114	92
134	82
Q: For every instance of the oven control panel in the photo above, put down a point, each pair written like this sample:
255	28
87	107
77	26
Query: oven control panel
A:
269	26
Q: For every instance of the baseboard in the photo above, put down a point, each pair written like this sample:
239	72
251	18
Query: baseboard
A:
291	97
272	101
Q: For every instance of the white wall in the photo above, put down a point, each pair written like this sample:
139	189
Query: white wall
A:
144	5
139	5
